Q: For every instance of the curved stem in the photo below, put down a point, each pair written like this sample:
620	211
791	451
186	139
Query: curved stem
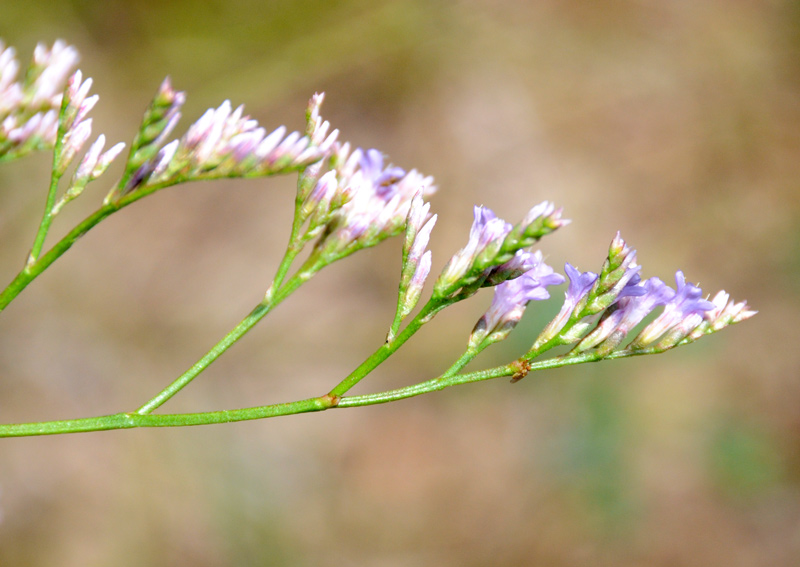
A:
47	220
388	348
36	265
258	313
33	269
321	403
130	420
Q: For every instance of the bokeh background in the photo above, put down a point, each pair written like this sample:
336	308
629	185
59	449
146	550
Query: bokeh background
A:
673	122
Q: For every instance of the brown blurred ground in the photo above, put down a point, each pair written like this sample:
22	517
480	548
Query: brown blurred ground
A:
676	123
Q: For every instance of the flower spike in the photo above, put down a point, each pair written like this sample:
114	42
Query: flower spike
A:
510	300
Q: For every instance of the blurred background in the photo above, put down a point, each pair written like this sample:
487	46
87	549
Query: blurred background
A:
673	122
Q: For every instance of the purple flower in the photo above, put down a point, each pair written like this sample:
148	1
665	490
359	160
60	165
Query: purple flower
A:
317	129
635	307
619	277
521	262
687	301
511	298
723	314
29	108
416	257
224	142
371	164
421	239
53	67
10	90
487	230
627	313
580	283
373	201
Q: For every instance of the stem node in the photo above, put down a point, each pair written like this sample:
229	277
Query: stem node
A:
521	368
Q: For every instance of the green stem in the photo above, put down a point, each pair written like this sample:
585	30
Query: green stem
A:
462	361
258	313
305	184
40	264
130	420
321	403
388	348
47	220
445	381
36	265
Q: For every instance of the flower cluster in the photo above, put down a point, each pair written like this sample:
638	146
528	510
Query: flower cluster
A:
29	106
510	299
361	202
621	301
77	129
223	142
416	259
49	108
495	250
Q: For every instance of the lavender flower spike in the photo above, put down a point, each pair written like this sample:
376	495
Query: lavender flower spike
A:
487	231
10	89
580	283
416	257
377	201
77	105
51	68
509	302
723	314
685	303
626	314
317	129
92	166
29	108
540	220
619	277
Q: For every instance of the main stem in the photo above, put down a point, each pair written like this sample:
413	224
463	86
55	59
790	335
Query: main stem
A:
321	403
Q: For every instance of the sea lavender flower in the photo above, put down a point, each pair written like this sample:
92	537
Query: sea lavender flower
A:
92	166
628	312
317	206
72	143
487	230
575	298
494	252
619	277
687	301
29	109
416	258
76	103
520	262
317	128
10	88
45	79
724	313
224	142
73	124
509	302
19	136
540	220
158	122
375	202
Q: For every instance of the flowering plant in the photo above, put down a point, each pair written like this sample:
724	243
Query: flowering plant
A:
347	199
